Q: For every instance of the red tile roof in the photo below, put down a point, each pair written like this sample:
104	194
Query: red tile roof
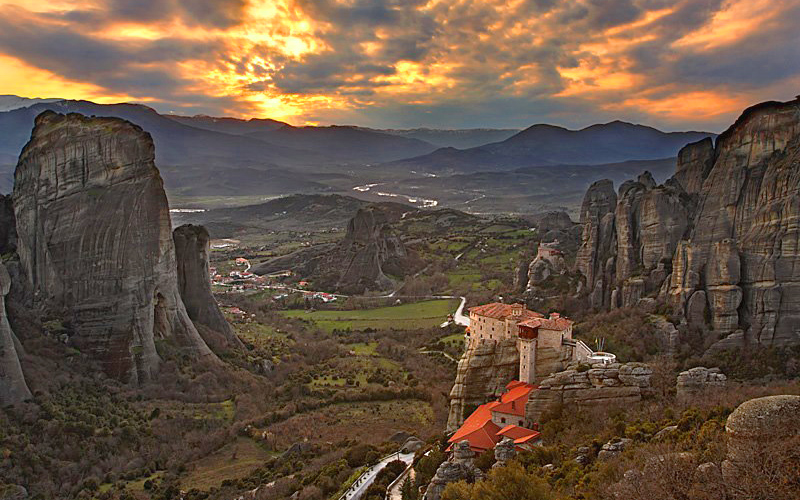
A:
497	310
479	429
516	432
513	401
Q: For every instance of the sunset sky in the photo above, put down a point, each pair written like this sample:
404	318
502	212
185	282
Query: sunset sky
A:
406	63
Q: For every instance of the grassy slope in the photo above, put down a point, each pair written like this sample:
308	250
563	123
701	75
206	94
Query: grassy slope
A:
407	316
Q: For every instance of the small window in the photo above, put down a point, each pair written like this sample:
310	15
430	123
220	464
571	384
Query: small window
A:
520	423
503	420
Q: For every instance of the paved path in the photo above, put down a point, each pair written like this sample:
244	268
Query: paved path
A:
396	491
367	478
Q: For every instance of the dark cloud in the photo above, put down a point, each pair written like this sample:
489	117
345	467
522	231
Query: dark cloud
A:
478	62
211	13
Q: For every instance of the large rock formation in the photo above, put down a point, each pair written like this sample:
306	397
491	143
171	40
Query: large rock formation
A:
598	240
192	246
95	242
482	374
368	247
628	246
603	384
744	250
13	388
722	236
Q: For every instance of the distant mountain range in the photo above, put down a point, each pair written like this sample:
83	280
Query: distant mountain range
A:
206	157
541	145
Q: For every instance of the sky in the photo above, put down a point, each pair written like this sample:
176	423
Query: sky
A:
674	64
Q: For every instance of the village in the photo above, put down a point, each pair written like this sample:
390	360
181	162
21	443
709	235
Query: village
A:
241	280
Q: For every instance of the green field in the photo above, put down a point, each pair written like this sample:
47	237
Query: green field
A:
403	317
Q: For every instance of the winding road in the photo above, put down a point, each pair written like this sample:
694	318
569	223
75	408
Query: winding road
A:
367	478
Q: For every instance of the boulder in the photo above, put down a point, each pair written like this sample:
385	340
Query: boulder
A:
95	242
192	247
613	448
759	422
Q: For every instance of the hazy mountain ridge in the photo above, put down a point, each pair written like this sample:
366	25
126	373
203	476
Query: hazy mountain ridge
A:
541	145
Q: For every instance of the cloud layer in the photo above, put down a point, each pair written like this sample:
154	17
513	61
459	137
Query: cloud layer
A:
676	64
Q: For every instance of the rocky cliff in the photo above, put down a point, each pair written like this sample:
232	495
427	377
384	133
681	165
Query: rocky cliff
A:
95	242
482	374
192	246
368	247
720	240
13	388
741	261
629	238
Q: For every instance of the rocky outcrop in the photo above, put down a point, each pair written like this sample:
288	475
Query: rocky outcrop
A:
504	451
630	247
720	240
602	384
699	382
95	242
13	388
192	247
546	264
613	448
744	250
460	467
369	246
483	372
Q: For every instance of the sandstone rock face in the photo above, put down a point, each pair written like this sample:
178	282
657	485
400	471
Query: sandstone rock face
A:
483	372
192	247
95	242
744	249
8	225
369	245
611	384
598	238
726	225
628	247
699	381
13	388
694	163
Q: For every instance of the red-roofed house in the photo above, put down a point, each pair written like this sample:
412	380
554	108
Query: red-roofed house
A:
493	421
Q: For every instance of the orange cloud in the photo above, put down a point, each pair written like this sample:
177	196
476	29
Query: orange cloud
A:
307	61
21	79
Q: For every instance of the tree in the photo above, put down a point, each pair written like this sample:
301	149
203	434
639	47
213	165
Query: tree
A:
503	483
